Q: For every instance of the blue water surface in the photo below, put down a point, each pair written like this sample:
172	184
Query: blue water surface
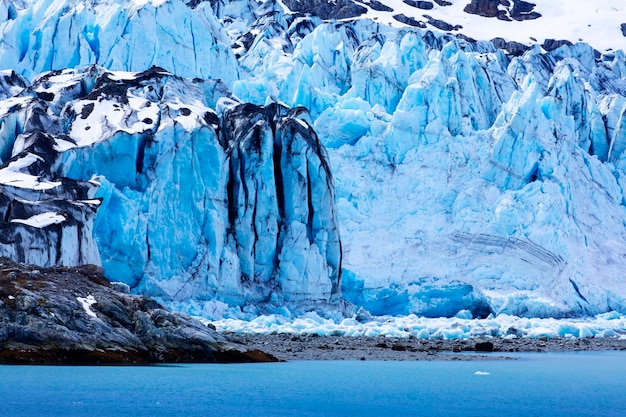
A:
547	384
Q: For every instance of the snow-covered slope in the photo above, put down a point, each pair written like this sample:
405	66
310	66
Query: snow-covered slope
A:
598	23
461	174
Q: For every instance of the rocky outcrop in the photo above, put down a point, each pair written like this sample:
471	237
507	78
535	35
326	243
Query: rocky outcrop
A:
503	9
409	21
74	316
378	6
424	5
523	10
511	47
486	8
441	25
327	9
552	44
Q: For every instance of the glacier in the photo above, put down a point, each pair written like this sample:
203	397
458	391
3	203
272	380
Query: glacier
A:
271	161
191	204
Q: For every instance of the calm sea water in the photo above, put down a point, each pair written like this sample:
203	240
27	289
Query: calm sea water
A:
571	384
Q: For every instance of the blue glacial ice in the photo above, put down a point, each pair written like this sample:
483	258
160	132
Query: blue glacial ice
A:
466	178
119	35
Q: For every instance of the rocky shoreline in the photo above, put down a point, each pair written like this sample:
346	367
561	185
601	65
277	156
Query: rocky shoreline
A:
287	347
73	315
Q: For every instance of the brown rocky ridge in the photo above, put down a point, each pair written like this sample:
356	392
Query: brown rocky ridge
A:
73	315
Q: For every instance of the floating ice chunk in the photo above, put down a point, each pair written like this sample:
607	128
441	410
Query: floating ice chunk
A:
423	334
464	314
87	302
587	331
448	334
611	315
482	373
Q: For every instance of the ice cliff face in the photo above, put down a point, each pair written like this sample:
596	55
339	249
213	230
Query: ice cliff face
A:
192	204
463	175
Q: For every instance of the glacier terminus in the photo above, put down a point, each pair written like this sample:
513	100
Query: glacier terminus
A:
233	158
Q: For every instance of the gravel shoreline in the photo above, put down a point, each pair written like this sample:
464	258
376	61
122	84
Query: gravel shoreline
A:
288	347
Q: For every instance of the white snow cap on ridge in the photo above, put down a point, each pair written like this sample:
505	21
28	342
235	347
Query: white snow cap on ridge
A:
597	23
11	175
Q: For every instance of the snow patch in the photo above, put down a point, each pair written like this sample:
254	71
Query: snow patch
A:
11	175
87	302
41	220
99	120
596	23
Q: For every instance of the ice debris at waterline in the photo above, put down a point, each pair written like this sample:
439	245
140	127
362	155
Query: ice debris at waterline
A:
485	175
610	325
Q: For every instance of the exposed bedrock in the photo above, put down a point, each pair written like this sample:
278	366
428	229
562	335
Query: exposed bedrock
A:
73	315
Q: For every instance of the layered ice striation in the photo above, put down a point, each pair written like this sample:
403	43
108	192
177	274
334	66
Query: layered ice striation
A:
235	205
478	176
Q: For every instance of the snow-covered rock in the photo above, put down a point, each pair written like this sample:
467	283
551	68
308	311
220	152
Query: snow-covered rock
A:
47	219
